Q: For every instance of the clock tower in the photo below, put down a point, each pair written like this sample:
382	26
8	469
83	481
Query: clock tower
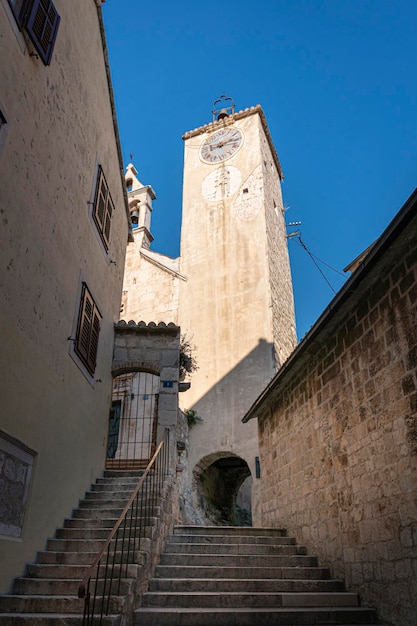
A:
236	305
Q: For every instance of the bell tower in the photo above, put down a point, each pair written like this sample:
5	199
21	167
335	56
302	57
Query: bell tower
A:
236	306
140	204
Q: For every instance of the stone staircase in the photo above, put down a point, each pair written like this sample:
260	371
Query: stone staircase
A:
241	576
47	593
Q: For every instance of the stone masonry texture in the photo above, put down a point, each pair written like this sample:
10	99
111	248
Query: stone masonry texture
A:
338	438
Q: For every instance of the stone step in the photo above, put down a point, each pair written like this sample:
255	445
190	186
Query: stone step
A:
92	545
85	558
231	571
64	586
103	503
277	585
233	539
228	599
234	548
60	571
109	486
108	495
230	530
123	474
82	533
52	619
54	604
282	616
223	560
74	545
85	523
98	512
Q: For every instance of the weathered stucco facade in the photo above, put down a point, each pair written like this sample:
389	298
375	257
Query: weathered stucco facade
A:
236	305
230	291
59	141
151	280
338	430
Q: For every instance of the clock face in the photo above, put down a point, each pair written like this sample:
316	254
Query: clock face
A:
221	145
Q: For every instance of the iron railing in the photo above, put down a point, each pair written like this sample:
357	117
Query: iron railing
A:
103	579
133	421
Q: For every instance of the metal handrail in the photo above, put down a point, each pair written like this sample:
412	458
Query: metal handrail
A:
132	527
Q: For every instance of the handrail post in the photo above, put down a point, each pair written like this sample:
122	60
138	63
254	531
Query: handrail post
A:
151	482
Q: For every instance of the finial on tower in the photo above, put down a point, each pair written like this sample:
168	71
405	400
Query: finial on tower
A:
223	107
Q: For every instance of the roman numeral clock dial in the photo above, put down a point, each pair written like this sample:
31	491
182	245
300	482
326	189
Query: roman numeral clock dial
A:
221	145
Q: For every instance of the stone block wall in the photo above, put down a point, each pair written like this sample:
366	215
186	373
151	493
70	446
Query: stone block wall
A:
155	349
338	437
150	287
282	299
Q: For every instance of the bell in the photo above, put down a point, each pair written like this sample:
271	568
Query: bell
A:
134	216
222	114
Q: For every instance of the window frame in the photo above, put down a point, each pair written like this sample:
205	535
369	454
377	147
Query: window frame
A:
40	20
102	208
88	330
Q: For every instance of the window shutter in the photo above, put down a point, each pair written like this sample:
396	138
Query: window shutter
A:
95	331
42	27
103	208
106	229
88	330
101	198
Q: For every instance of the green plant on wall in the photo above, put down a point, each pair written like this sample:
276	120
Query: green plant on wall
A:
188	363
192	417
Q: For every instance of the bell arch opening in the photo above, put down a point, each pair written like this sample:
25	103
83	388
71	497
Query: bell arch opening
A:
223	483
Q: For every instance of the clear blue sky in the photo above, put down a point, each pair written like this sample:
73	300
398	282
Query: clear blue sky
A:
337	80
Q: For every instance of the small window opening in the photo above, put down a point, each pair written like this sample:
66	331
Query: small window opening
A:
129	184
246	190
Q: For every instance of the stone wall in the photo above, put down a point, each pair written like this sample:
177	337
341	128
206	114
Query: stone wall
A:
150	287
281	294
338	431
155	349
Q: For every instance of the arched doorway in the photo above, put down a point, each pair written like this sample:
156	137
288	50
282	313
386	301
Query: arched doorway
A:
223	483
133	420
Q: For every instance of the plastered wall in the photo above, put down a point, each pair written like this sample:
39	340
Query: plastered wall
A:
59	126
234	257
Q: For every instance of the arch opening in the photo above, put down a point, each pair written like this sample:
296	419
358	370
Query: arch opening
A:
224	485
133	420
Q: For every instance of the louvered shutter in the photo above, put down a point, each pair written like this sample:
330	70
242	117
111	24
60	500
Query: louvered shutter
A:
42	26
95	331
88	330
103	208
108	216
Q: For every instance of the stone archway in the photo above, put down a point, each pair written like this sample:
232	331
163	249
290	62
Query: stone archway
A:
223	485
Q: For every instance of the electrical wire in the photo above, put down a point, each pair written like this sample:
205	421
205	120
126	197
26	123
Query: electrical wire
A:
313	258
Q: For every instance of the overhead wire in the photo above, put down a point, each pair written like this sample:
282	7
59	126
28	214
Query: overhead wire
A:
313	257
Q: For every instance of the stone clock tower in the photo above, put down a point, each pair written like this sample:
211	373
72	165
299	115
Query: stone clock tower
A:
236	305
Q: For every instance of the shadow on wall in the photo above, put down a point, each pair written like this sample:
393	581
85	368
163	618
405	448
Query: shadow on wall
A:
223	452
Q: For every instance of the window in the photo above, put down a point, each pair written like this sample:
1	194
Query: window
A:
88	330
103	208
40	20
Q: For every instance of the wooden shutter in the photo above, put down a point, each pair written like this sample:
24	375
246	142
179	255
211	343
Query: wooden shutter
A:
42	26
103	208
88	330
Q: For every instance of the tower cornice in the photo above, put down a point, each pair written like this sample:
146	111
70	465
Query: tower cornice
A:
226	121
